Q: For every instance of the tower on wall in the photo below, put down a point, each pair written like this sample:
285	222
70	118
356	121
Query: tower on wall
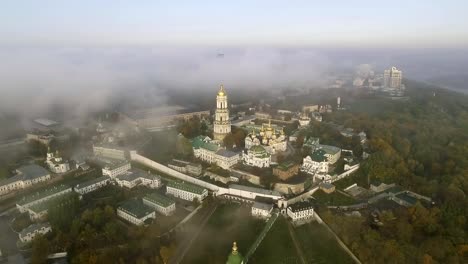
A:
222	124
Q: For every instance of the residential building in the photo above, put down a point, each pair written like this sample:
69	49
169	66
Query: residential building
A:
392	78
109	151
40	210
286	170
300	211
257	156
136	177
261	210
262	115
222	123
163	204
304	120
113	168
25	177
29	233
42	196
209	151
316	163
135	212
186	167
55	163
332	153
186	191
92	185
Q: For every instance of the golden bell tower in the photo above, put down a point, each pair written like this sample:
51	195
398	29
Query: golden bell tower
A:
222	124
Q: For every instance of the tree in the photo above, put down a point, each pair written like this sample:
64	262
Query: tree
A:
40	250
167	252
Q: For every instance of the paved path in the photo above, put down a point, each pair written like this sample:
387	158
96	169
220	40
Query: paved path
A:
189	238
296	243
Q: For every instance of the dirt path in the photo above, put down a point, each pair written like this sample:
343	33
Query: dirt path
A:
296	243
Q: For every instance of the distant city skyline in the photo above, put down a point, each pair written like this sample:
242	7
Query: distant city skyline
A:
401	24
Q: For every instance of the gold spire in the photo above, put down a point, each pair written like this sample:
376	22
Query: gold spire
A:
221	91
234	248
269	122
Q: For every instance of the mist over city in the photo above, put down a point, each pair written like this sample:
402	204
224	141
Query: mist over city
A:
243	132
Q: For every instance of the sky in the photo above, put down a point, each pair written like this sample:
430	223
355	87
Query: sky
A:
401	24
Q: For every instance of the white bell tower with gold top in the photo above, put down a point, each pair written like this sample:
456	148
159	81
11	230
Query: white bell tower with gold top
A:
222	124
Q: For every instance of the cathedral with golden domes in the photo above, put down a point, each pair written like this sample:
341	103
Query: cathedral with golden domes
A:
269	137
222	123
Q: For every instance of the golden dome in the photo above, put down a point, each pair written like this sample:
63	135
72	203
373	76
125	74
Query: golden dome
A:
221	91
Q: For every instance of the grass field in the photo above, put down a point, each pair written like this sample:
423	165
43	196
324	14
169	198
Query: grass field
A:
277	247
229	223
319	246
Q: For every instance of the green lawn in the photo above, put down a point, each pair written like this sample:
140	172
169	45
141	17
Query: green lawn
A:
334	198
277	247
319	246
229	223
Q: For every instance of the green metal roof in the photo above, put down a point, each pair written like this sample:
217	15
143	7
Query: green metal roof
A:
159	199
285	165
43	193
92	181
199	142
136	208
319	155
44	206
186	187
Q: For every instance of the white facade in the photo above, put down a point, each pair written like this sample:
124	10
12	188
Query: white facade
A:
222	124
304	120
312	167
126	215
261	210
109	152
92	185
207	150
257	156
30	232
134	178
113	170
187	192
56	164
162	207
297	213
25	178
392	78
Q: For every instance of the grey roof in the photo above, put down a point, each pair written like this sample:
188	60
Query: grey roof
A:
129	176
300	206
32	228
262	206
159	199
32	171
136	208
91	182
226	153
254	189
188	187
46	192
45	122
326	185
330	149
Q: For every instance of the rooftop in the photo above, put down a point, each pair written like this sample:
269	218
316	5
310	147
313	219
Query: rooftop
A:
226	153
45	122
332	150
112	163
407	198
159	199
43	193
91	182
262	206
136	208
300	206
202	142
43	206
32	228
254	189
32	171
284	166
326	185
186	187
319	155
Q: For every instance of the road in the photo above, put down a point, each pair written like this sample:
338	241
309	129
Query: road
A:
296	243
183	248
